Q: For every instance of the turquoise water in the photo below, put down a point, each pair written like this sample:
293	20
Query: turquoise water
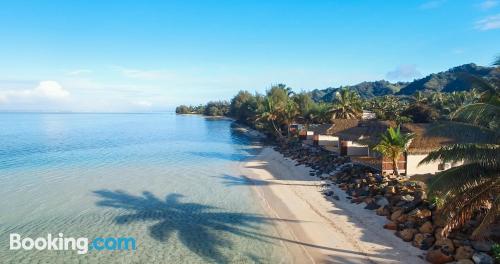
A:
160	178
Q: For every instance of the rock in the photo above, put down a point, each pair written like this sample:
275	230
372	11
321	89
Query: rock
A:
426	228
402	218
423	241
482	258
391	226
407	234
420	213
482	245
328	193
407	198
464	252
437	256
372	206
445	244
390	190
383	211
382	201
396	215
336	197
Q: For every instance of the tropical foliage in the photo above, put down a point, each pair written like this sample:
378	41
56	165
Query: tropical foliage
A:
392	145
473	187
346	105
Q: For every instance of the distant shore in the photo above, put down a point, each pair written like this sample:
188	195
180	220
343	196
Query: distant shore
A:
314	229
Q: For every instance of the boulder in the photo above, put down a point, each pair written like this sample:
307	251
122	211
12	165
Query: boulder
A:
420	213
382	201
464	252
437	256
482	245
423	241
395	215
383	211
407	198
407	234
482	258
372	206
426	228
445	244
391	226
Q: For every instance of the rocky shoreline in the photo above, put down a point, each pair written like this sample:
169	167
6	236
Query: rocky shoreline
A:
403	202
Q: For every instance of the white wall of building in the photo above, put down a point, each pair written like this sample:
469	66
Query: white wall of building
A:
325	140
355	149
413	169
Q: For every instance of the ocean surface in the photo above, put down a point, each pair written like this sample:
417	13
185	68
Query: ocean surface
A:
169	181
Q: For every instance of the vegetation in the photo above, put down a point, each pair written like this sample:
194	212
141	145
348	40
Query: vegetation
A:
467	96
452	80
184	109
474	186
346	105
392	145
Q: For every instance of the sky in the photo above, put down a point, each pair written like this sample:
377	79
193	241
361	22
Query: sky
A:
128	56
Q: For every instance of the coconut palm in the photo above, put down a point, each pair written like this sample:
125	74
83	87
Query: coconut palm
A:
392	145
474	186
346	105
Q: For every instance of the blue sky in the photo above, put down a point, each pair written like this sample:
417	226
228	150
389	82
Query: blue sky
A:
153	55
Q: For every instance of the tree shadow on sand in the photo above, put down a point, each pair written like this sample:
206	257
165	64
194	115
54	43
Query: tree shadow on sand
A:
199	227
242	180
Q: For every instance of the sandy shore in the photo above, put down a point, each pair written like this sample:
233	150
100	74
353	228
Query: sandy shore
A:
314	229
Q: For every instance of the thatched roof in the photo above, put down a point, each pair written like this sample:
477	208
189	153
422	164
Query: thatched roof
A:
429	137
362	131
320	129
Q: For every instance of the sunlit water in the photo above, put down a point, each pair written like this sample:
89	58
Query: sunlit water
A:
160	178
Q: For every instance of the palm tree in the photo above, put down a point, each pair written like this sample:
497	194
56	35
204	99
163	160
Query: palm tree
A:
474	186
270	113
346	105
392	145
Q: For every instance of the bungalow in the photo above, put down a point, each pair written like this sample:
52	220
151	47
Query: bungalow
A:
356	138
357	142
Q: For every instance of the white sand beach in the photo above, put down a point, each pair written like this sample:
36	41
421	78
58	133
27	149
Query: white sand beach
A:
314	229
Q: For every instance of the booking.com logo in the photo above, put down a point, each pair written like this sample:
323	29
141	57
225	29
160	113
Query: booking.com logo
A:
81	244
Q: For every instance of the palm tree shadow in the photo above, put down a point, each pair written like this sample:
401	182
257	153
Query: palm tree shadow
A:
242	180
199	227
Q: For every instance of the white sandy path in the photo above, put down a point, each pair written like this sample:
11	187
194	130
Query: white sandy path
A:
315	230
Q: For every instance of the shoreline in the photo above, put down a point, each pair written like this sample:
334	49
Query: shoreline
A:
315	229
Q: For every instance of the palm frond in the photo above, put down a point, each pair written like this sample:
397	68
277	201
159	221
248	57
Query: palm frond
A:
487	155
479	114
460	207
456	179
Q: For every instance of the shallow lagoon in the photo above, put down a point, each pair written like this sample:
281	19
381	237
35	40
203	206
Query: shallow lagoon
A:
160	178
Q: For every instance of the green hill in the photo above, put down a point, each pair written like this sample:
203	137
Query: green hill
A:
454	79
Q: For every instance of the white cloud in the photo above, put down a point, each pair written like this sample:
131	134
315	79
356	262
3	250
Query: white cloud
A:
404	73
488	4
489	23
148	75
45	90
432	4
78	72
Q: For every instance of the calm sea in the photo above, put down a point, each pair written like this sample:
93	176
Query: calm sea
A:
171	182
